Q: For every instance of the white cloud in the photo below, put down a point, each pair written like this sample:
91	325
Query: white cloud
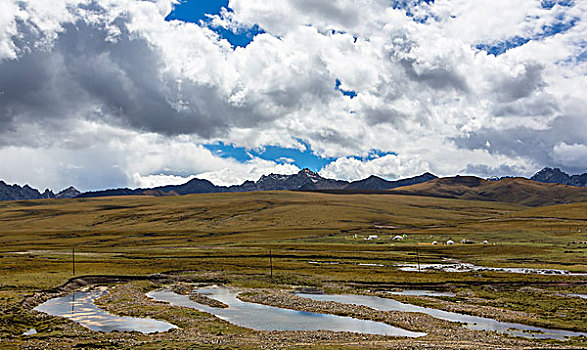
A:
141	95
8	11
570	155
236	173
285	160
95	156
389	167
150	181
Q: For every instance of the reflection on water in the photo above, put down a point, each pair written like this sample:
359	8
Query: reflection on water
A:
465	267
425	293
80	307
582	296
31	331
472	322
263	317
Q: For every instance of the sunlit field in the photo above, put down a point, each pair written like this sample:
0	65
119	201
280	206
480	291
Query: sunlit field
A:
317	240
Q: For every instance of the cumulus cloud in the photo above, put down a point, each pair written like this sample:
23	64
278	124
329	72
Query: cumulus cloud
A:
8	12
150	181
391	167
107	93
98	156
570	155
252	170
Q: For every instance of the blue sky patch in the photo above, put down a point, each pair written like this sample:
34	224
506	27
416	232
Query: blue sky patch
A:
374	154
409	5
501	47
196	11
241	38
561	25
301	159
549	4
350	93
229	151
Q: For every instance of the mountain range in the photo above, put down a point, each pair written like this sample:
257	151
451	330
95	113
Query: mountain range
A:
15	192
556	176
307	180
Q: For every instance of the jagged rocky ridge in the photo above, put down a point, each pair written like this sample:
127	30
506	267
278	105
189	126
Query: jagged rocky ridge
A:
70	192
305	180
16	192
557	176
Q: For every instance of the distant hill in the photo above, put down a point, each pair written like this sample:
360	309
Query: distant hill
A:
304	180
111	193
375	183
70	192
508	189
512	190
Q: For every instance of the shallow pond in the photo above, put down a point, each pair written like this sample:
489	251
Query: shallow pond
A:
424	293
582	296
465	267
31	331
458	267
472	322
263	317
80	307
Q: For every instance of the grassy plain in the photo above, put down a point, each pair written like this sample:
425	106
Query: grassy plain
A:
227	238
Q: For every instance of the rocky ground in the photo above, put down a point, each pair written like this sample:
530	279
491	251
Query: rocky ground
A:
468	309
202	330
187	289
437	330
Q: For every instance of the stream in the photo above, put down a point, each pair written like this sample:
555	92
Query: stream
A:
80	307
269	318
472	322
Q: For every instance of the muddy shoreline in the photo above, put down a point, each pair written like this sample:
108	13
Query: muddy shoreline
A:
127	298
435	328
187	289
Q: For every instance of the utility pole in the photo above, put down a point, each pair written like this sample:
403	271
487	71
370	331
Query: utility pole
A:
271	263
73	259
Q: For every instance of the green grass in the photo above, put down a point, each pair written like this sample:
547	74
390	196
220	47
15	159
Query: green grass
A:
227	238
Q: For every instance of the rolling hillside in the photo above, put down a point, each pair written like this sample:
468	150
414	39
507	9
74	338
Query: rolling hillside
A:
509	190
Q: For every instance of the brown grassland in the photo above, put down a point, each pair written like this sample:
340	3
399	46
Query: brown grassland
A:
226	238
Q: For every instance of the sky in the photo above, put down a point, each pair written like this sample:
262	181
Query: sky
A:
129	93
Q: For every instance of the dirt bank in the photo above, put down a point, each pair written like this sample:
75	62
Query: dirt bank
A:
437	330
206	331
188	289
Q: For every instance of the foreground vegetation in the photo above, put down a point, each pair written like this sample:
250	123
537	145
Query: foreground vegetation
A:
314	240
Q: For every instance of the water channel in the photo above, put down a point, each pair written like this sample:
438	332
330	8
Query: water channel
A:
466	267
80	307
263	317
425	293
472	322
